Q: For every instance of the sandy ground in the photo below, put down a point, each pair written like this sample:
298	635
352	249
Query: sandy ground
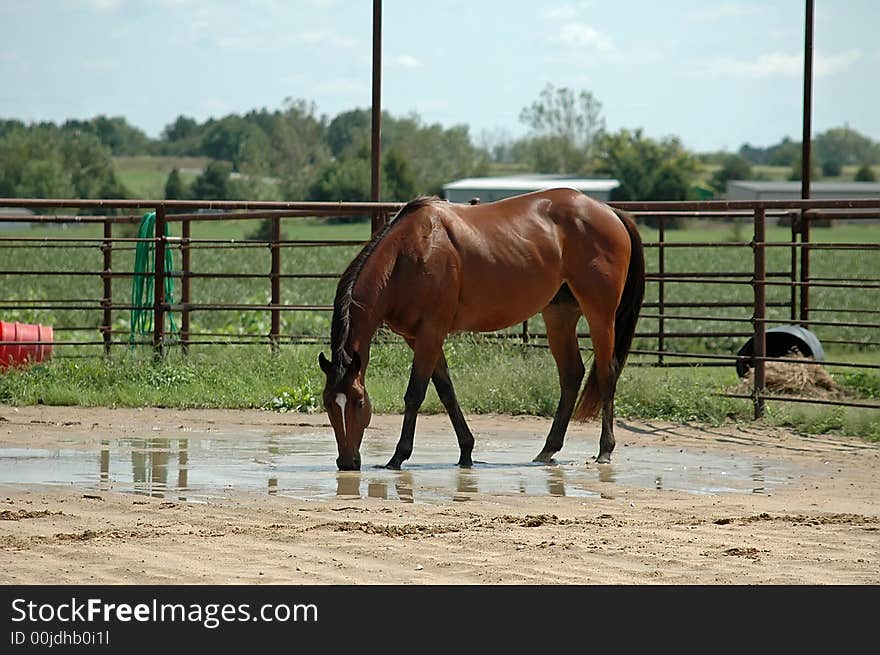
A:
819	526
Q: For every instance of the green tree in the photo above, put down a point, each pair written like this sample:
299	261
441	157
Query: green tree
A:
113	132
175	189
43	162
349	131
236	140
435	155
299	148
865	174
842	146
346	179
565	127
572	120
733	167
647	169
90	166
213	183
182	137
398	182
796	171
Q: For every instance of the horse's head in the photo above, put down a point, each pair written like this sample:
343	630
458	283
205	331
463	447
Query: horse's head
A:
348	407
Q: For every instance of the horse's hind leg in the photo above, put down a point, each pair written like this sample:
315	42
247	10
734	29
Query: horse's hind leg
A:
443	384
602	336
599	310
561	317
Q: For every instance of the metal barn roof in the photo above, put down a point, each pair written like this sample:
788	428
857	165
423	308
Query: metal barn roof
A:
532	183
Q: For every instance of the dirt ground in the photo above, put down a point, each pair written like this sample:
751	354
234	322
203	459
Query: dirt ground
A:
818	526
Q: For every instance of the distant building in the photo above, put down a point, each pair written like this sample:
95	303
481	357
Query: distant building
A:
489	189
754	190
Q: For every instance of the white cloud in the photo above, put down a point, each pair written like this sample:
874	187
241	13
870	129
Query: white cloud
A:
565	12
584	37
776	64
98	5
324	37
826	65
406	61
726	11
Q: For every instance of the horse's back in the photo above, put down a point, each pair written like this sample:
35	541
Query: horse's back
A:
512	256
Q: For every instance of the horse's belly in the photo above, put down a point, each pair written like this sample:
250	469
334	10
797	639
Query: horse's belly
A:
501	307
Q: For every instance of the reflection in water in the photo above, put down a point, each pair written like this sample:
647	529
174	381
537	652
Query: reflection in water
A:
556	481
404	486
300	469
466	484
606	473
105	461
759	478
377	490
348	483
182	466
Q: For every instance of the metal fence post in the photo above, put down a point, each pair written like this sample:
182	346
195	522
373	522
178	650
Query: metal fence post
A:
275	330
759	350
185	282
805	268
661	289
793	273
107	275
159	285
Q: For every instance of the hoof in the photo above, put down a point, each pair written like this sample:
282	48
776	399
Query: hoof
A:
465	463
393	466
603	458
544	457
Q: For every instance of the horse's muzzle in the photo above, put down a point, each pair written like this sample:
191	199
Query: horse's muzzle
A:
349	463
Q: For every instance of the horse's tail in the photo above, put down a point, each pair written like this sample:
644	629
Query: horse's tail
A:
625	320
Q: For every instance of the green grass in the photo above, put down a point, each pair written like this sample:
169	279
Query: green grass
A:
490	377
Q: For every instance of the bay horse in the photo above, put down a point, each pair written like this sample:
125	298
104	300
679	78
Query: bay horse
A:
440	267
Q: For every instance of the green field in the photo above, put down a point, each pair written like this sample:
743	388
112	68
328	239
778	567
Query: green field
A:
145	177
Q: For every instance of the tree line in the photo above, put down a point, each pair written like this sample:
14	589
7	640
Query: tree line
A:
293	153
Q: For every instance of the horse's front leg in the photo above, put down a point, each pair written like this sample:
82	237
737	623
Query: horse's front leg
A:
446	392
424	360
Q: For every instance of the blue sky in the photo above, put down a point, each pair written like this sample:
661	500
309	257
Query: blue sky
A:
717	74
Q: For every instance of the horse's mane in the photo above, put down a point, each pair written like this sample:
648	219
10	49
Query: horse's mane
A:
341	322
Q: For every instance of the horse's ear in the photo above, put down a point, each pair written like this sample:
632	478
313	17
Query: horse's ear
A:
325	365
355	366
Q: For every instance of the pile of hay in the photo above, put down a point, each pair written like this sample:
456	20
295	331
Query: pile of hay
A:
803	377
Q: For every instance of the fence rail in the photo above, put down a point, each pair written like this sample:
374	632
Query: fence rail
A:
675	319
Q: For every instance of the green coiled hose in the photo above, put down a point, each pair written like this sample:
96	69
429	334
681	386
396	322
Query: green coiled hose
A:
142	282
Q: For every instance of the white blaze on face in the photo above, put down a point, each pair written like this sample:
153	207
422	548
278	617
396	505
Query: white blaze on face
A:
341	400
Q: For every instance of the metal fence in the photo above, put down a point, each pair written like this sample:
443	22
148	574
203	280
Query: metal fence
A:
750	295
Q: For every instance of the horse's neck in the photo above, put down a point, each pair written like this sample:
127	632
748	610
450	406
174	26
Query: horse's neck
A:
369	301
365	316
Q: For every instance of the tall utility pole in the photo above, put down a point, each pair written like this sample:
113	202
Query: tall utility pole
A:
808	102
806	168
376	143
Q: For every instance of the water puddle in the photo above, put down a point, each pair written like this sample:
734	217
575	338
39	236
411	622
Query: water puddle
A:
195	468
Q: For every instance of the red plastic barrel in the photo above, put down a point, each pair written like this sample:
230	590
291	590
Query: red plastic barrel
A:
21	343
